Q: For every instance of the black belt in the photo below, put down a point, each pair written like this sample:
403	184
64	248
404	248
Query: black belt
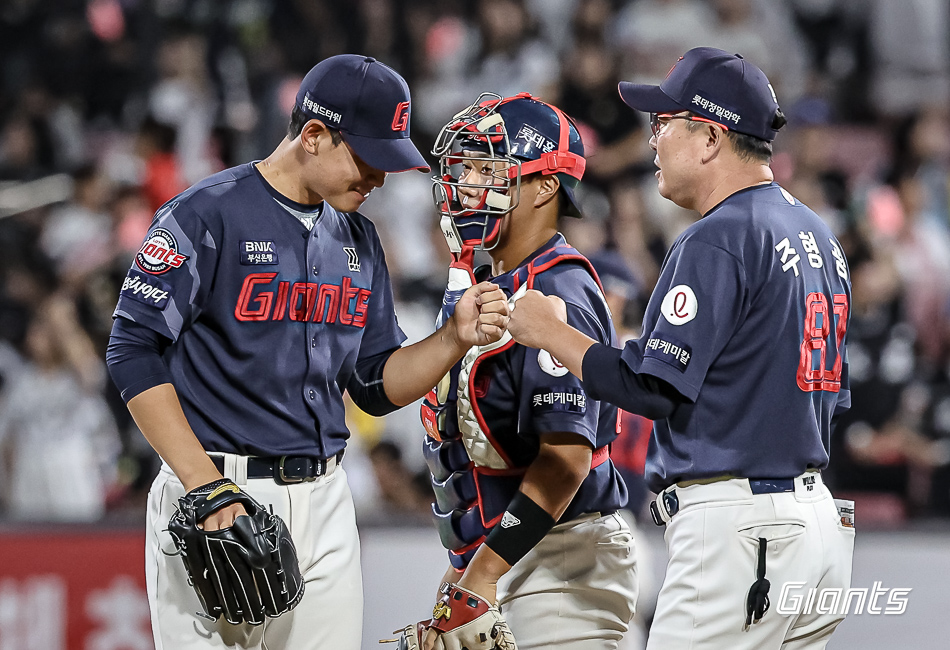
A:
757	485
285	470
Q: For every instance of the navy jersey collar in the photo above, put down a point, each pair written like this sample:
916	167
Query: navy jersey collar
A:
556	240
306	208
744	190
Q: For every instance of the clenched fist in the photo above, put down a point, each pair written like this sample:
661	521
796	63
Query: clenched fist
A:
481	315
533	318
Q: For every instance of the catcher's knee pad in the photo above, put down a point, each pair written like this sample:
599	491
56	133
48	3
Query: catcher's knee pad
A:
460	558
459	528
445	456
458	490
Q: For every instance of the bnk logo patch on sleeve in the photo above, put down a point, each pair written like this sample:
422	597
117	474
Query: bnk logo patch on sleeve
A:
147	289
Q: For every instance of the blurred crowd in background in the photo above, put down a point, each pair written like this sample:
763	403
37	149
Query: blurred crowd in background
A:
110	107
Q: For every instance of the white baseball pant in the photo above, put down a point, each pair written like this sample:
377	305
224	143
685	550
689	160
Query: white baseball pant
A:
713	544
322	522
575	590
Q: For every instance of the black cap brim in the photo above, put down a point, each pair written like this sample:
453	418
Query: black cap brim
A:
394	155
646	98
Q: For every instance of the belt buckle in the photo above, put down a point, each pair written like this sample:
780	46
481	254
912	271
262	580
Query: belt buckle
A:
291	479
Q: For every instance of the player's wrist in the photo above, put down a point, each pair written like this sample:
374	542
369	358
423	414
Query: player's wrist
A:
451	337
193	478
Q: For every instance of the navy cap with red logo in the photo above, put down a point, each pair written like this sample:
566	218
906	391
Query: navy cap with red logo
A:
716	85
369	103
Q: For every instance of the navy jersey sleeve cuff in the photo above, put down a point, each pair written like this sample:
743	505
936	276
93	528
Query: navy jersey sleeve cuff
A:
366	385
607	377
597	366
134	358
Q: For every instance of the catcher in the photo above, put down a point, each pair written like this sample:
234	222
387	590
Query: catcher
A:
526	494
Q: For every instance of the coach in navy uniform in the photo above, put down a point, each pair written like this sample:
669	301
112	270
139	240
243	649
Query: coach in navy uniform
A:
259	296
742	365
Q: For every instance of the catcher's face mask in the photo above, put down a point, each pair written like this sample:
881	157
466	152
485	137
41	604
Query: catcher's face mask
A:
486	150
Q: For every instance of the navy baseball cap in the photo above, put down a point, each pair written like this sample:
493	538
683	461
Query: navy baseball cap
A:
714	84
369	103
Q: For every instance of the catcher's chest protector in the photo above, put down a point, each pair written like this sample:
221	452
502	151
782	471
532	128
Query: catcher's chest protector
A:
469	450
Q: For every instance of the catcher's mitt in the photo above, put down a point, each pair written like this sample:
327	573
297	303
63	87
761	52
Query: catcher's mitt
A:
243	572
464	620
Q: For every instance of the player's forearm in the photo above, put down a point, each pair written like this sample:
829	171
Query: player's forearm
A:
610	379
557	473
551	482
157	412
412	371
568	346
483	572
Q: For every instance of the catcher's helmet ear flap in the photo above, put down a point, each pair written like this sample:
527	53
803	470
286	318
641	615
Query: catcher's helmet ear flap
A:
505	138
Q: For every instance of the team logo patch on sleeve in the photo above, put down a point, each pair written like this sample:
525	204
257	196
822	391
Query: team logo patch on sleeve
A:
563	399
146	289
667	349
159	253
680	305
258	252
551	365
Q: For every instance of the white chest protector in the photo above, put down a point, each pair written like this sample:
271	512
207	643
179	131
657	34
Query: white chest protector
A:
477	443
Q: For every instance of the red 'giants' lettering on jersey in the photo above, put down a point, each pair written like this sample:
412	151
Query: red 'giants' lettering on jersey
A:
301	301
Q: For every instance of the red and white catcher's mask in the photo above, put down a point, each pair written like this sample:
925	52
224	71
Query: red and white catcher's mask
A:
485	151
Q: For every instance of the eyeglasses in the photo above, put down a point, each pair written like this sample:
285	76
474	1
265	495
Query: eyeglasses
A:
656	124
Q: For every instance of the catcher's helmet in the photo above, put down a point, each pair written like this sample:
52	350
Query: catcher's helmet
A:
511	137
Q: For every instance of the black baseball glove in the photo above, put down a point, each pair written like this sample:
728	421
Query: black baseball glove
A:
243	572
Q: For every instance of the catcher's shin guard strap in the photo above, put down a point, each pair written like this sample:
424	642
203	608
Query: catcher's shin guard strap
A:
523	525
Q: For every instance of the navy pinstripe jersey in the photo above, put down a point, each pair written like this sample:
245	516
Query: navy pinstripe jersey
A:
748	321
267	318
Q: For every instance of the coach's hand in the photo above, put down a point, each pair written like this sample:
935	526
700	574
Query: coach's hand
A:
535	317
481	315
